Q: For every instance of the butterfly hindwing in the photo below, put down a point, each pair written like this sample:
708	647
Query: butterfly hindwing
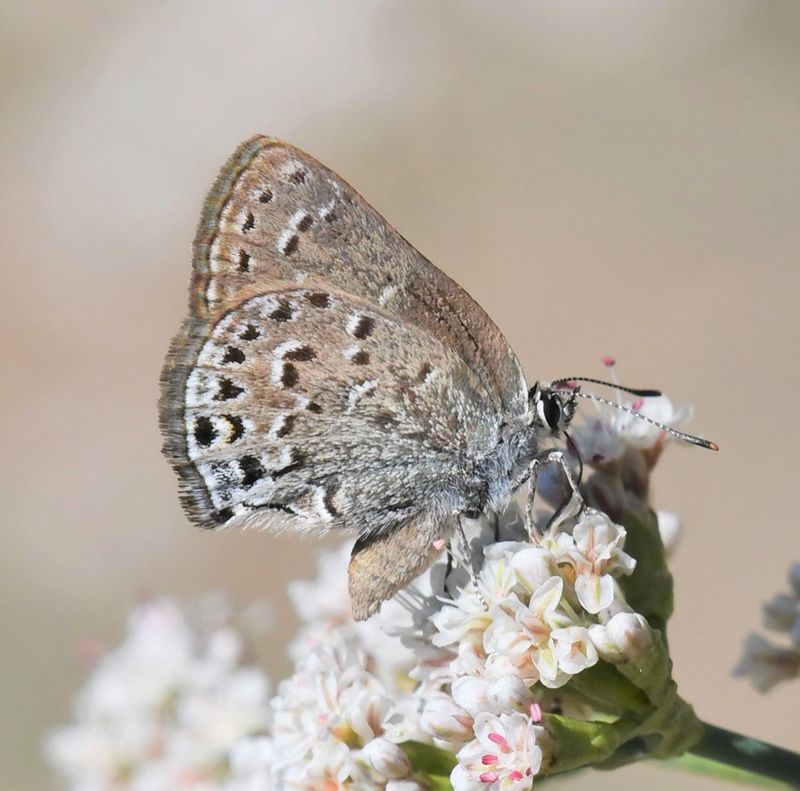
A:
307	408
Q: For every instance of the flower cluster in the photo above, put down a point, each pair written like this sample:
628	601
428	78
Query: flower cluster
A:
534	616
483	676
764	662
172	707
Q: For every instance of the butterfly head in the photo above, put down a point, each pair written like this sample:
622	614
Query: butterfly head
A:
552	408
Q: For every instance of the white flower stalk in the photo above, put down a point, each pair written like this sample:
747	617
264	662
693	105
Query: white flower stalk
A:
765	663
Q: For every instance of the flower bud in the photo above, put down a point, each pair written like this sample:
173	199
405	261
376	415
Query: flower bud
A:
794	578
630	633
781	613
509	693
405	785
670	529
443	718
386	758
471	694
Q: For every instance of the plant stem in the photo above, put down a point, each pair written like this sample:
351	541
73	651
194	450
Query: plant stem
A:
751	756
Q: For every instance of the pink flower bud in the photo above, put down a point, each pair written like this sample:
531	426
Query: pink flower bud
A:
443	718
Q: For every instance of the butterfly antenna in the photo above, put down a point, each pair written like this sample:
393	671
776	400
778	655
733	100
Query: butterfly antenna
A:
642	393
681	435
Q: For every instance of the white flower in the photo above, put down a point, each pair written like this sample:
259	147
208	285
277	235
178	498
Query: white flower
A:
573	649
169	704
595	551
524	632
782	612
324	598
608	434
767	664
504	755
794	578
465	619
250	761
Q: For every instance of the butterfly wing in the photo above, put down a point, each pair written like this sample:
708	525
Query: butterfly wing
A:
328	375
312	409
275	214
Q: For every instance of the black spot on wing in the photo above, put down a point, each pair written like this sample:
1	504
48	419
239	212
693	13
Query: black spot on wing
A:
364	327
250	333
237	427
283	312
204	431
289	375
227	390
301	355
252	471
286	426
233	355
319	299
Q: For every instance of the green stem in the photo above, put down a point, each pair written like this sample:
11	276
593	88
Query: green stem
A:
734	751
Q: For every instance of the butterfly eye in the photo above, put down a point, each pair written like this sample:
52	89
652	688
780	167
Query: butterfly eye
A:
471	513
551	410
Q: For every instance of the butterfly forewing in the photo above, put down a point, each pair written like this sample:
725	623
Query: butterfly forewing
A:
275	214
329	376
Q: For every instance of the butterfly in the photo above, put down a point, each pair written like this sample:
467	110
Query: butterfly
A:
329	377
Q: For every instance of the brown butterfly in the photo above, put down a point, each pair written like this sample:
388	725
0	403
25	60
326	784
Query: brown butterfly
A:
329	377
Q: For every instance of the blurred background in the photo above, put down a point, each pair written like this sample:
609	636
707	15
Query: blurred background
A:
614	178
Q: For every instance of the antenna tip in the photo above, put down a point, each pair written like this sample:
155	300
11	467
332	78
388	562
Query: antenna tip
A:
704	443
609	362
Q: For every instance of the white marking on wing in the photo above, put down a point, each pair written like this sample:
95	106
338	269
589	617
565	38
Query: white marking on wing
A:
357	391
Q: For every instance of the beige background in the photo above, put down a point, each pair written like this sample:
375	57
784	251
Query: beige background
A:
605	178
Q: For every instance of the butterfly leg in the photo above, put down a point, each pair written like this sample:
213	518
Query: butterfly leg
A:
574	504
461	552
571	507
533	473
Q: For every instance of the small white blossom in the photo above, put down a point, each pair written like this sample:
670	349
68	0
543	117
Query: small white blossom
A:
782	612
595	551
166	708
525	630
607	435
504	755
766	664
